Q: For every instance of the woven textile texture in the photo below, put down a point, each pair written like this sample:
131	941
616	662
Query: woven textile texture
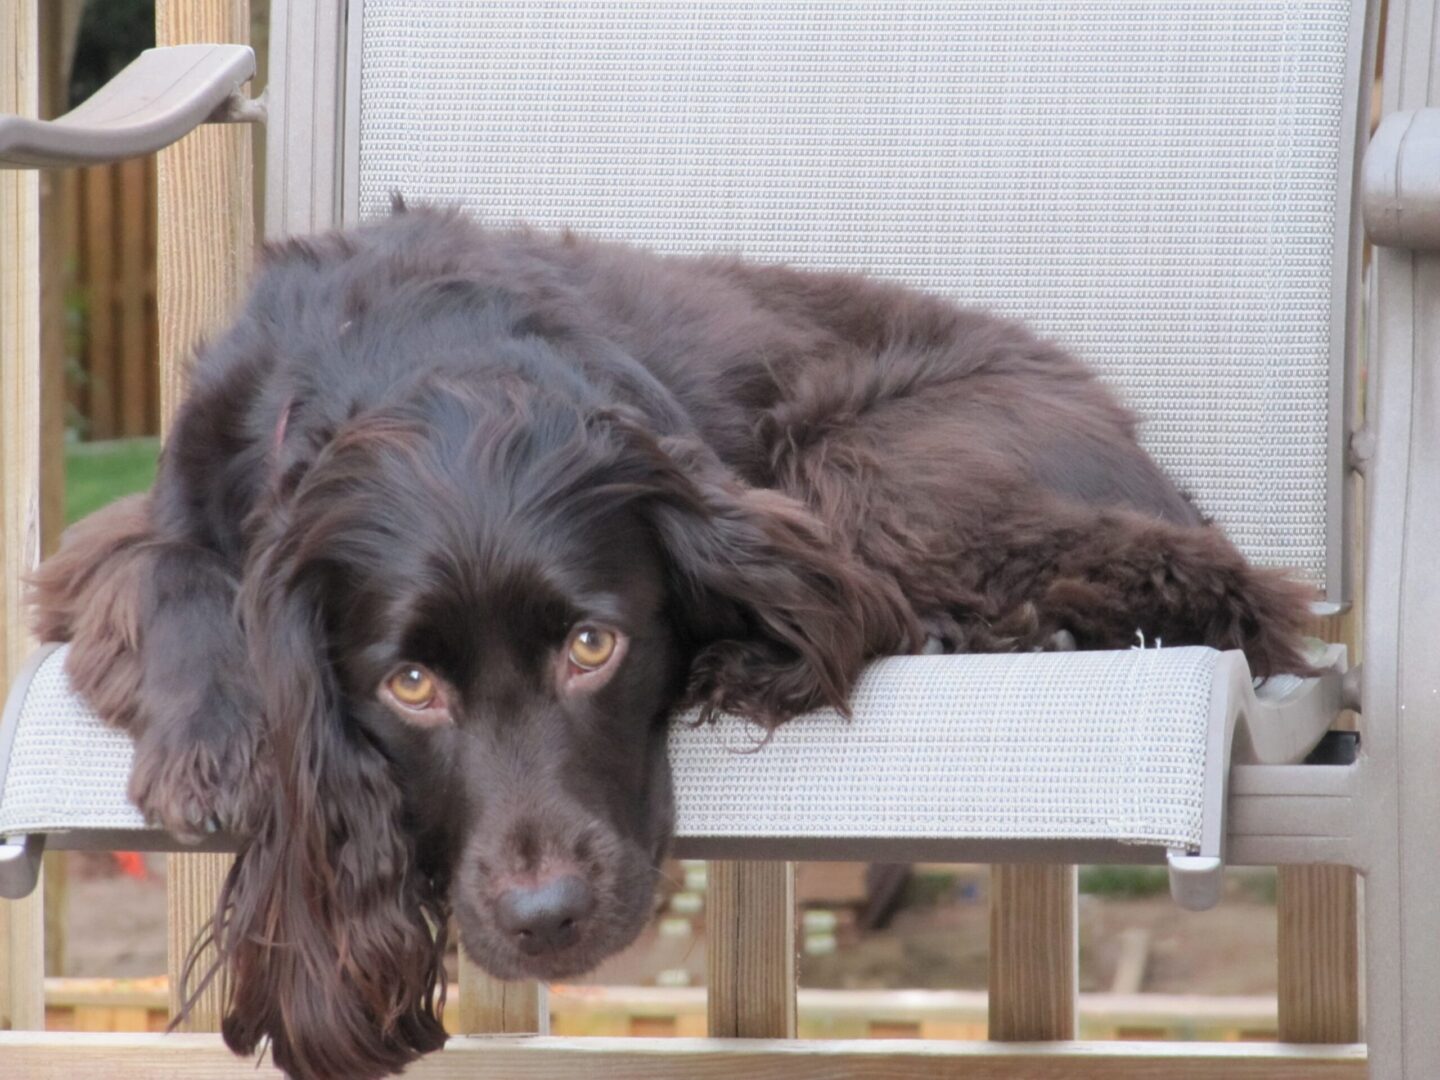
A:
67	770
1151	181
1091	746
1070	746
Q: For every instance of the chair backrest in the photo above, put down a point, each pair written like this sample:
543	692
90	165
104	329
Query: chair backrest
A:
1164	185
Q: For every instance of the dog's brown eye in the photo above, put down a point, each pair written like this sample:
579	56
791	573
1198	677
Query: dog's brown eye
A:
591	647
413	687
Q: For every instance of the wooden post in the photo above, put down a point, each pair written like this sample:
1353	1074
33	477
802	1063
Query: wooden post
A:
22	928
750	949
59	23
1034	961
205	235
490	1006
1319	955
1318	916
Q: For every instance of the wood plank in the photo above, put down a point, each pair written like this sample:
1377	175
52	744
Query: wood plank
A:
206	225
192	883
1319	954
61	1056
205	233
99	262
621	1010
1034	952
134	366
22	923
22	964
58	25
750	949
491	1006
71	199
154	420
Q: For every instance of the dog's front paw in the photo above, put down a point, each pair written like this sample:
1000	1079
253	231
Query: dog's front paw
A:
193	783
754	679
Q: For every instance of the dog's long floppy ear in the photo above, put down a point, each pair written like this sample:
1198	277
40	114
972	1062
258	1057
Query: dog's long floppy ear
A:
332	943
785	617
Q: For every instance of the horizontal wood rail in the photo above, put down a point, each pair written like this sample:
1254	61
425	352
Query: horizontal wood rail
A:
137	1005
59	1056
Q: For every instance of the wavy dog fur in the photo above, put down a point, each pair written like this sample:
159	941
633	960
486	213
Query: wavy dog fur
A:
426	443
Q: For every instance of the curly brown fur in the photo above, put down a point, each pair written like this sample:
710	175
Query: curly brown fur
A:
91	593
428	448
113	591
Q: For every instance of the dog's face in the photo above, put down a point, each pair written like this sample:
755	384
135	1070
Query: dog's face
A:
516	666
470	618
499	629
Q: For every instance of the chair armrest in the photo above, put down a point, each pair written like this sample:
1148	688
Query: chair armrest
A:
1400	181
163	95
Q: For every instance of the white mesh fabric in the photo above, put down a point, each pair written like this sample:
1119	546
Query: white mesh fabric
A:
1073	746
1151	181
1083	746
67	770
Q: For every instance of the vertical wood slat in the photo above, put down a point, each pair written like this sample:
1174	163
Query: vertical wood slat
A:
1318	922
205	232
109	235
205	226
1034	952
152	289
134	367
59	23
22	929
1318	946
490	1006
750	949
99	258
71	212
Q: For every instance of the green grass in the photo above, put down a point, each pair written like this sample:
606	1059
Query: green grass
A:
97	473
1135	882
1125	881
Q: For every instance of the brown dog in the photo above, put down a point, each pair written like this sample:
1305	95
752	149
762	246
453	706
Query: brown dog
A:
452	521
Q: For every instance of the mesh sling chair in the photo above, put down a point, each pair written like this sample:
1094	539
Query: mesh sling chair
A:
1171	188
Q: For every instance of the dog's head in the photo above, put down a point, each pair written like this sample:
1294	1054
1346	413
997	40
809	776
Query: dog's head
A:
471	620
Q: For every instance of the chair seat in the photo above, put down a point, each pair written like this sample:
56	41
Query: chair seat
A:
1085	746
1083	756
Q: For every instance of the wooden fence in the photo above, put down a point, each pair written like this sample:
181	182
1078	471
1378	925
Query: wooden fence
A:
136	1005
106	232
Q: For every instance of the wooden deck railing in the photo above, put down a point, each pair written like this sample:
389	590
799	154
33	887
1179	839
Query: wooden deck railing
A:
139	1005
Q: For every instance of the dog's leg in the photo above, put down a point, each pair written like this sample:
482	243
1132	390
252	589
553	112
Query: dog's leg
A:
198	762
1057	575
1117	575
156	650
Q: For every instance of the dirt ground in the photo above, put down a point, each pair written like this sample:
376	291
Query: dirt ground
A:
115	927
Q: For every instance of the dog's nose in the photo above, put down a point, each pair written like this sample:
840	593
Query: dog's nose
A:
545	917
